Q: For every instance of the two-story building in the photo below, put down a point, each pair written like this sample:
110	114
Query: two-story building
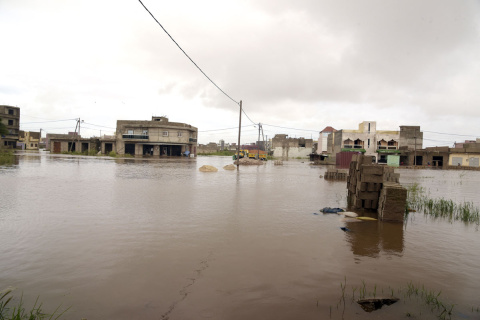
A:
10	117
30	140
158	137
372	142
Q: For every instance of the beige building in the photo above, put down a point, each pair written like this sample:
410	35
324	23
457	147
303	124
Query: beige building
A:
10	117
372	142
61	143
158	137
285	147
465	154
31	140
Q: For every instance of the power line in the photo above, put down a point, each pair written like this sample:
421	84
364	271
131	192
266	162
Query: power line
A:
47	121
187	54
289	128
453	134
96	125
222	129
243	110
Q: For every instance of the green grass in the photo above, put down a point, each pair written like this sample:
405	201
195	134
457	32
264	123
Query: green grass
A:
6	157
417	298
17	311
219	153
418	200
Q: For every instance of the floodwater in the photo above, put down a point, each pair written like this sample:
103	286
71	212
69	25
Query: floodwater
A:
157	239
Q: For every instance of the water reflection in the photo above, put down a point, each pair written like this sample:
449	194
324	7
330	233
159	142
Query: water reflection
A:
371	238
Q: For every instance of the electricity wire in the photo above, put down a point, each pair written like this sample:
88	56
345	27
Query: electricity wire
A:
188	55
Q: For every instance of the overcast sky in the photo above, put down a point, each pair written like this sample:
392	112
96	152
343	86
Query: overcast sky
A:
303	64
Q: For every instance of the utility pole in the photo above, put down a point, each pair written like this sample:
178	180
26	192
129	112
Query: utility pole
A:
73	138
258	141
39	139
239	131
78	146
415	154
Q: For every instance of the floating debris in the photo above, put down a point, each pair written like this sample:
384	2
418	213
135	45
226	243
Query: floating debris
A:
331	210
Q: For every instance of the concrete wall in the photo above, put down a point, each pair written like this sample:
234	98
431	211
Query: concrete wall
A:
464	159
291	152
407	137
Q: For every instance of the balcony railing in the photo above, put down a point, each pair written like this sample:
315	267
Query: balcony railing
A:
192	140
387	147
135	136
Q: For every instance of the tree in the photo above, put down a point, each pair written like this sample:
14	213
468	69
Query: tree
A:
3	128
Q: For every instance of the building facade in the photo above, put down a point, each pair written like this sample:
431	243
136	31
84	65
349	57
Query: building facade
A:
372	142
158	137
323	140
29	140
10	117
285	147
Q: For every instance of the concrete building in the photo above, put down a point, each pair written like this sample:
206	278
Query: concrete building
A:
285	147
323	139
158	137
465	154
372	142
29	140
10	117
59	143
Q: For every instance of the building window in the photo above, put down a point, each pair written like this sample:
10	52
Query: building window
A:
10	122
179	134
10	111
165	133
31	145
35	145
129	131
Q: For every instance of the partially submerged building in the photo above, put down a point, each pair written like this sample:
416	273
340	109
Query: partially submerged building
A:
10	117
285	147
377	143
29	140
61	143
158	137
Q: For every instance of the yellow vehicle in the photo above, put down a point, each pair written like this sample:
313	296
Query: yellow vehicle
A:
251	154
262	155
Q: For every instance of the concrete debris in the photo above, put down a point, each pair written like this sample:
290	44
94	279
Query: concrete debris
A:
336	174
207	168
229	167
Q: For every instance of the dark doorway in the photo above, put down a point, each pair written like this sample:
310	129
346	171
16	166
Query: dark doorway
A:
130	148
108	148
419	161
438	161
148	150
84	146
71	147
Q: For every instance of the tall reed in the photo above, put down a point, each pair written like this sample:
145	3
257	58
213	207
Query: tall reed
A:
418	200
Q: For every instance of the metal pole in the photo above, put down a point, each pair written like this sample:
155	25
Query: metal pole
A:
415	154
258	143
239	132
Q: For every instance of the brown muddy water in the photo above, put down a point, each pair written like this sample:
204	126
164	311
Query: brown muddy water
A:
151	239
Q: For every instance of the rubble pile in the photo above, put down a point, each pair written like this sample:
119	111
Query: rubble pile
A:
335	174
